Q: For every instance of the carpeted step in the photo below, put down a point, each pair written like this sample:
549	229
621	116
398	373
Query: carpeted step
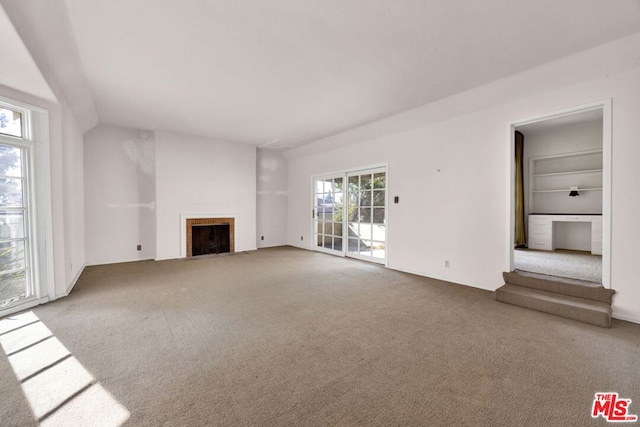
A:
559	286
585	310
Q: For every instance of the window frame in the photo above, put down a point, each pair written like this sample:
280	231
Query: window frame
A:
37	202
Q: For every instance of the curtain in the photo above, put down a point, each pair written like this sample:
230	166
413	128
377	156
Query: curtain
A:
521	238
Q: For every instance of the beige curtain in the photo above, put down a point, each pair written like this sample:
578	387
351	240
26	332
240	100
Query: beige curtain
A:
521	238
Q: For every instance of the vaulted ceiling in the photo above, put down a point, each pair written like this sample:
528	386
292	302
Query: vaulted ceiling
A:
281	73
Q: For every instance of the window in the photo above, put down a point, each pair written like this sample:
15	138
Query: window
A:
25	237
14	245
10	122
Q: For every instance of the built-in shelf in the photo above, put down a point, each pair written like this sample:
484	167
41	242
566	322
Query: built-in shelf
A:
552	177
568	173
566	190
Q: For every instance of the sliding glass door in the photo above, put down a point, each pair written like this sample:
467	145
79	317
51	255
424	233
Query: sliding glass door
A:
367	211
349	214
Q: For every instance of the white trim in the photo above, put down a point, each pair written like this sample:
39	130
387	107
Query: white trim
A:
73	282
183	230
43	206
313	201
632	318
426	275
606	107
607	147
27	304
120	261
334	252
372	259
567	154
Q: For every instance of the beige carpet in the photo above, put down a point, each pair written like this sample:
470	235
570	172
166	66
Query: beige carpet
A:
289	337
562	263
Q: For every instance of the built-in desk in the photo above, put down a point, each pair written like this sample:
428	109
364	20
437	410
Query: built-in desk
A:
542	230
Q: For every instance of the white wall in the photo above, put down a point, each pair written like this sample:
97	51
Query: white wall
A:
448	187
271	198
73	195
450	164
138	183
196	175
119	195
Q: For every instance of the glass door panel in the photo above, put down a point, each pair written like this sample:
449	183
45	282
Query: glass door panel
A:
328	214
367	214
14	278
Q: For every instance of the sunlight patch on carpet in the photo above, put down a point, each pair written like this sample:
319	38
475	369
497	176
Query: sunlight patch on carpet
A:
60	391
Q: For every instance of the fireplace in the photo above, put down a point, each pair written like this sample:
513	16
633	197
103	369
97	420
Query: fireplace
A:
206	236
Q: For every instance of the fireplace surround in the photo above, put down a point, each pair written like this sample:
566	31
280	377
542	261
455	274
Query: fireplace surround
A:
209	235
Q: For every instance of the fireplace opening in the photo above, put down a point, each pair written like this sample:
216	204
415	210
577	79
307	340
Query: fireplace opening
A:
210	239
207	236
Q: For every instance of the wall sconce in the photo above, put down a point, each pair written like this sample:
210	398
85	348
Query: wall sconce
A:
573	191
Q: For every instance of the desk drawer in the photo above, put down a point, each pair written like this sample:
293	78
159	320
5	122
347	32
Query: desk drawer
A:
538	220
540	245
535	228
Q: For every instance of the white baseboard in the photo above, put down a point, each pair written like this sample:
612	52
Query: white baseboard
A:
118	261
73	282
442	279
626	318
165	258
295	245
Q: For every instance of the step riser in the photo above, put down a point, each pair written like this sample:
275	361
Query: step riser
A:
594	294
567	311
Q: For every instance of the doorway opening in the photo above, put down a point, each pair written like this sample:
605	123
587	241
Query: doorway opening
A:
560	195
350	214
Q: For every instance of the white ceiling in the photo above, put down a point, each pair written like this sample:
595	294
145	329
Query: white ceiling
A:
281	73
17	68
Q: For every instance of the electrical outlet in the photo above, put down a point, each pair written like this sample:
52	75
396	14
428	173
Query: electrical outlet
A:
139	247
447	264
261	237
301	237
